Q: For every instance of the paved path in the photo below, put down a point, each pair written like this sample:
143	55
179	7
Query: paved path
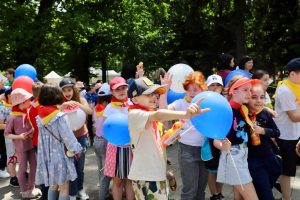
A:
91	180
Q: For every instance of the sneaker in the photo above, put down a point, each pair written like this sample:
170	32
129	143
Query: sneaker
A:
14	182
4	174
221	195
215	197
72	197
30	194
82	195
36	192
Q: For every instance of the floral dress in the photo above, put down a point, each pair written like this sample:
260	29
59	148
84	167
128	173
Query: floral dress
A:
53	166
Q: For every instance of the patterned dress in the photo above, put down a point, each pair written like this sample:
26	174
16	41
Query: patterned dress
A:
53	166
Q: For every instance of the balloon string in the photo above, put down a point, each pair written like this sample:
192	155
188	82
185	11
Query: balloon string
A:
236	170
102	169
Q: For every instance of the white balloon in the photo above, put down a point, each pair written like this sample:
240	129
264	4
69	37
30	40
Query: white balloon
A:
179	73
76	119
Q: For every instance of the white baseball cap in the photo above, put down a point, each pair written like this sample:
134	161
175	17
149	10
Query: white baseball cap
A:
104	90
214	79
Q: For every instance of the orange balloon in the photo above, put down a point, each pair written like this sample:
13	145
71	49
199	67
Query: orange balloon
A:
23	82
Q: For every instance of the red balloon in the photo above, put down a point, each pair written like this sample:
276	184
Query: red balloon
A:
23	82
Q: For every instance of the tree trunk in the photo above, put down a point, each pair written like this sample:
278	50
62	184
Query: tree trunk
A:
82	63
239	21
104	69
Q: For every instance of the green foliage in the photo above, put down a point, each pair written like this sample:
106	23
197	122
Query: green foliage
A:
74	35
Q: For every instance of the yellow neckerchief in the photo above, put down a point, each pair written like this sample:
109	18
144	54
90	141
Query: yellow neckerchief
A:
5	104
245	112
187	99
46	113
160	127
269	105
115	103
99	110
295	88
35	103
16	111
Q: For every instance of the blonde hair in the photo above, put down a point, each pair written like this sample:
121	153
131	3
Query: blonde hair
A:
229	84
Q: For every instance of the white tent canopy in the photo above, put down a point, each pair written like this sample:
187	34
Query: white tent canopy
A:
52	74
98	72
53	78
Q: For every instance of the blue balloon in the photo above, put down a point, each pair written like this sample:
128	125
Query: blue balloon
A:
234	73
26	70
217	122
115	129
173	96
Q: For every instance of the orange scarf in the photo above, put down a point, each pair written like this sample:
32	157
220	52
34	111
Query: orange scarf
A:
46	113
117	103
99	109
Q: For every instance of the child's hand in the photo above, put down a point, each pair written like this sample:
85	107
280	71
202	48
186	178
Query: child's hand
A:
194	109
272	112
23	136
223	145
77	155
298	148
259	130
139	70
69	104
166	80
2	83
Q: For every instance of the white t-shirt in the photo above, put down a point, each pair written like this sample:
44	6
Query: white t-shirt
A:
192	137
268	99
285	100
110	110
148	162
98	123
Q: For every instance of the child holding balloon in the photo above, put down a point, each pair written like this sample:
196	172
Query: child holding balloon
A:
210	151
263	164
100	143
233	165
19	129
192	168
72	99
56	143
148	169
118	158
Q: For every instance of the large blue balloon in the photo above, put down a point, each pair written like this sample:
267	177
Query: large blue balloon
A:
234	73
26	70
115	129
217	122
173	96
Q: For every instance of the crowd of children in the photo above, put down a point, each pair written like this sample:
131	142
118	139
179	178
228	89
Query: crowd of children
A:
51	155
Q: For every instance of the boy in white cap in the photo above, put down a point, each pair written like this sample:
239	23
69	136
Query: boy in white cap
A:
214	83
